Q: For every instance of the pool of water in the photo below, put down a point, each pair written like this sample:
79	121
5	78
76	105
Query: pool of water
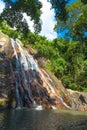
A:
30	119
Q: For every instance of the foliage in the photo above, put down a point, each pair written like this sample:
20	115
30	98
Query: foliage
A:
13	14
65	58
80	27
9	31
84	1
73	11
60	8
75	25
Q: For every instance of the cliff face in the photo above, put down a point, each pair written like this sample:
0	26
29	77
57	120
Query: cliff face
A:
24	84
4	71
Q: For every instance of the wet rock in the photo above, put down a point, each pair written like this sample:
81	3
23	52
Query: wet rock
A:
27	83
3	103
77	100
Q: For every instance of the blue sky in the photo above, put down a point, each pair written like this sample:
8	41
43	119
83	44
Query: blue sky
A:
48	21
71	1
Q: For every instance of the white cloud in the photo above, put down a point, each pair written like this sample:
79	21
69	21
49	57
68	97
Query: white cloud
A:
2	5
48	20
30	23
47	17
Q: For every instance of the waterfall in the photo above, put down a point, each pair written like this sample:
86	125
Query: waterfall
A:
31	63
23	64
33	85
48	83
16	74
21	69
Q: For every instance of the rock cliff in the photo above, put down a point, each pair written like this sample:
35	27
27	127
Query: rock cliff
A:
24	84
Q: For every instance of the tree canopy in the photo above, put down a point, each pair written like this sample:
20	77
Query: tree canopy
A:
71	18
13	14
60	8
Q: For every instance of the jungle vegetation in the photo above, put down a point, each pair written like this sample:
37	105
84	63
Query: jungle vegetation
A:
66	57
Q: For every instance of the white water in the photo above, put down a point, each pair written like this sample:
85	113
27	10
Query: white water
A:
49	86
26	72
17	84
32	65
46	82
39	107
53	107
21	68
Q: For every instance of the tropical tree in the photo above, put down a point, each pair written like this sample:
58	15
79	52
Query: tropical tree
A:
71	19
60	8
13	14
80	26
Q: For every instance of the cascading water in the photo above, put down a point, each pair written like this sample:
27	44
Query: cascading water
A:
16	75
21	72
33	86
49	83
23	64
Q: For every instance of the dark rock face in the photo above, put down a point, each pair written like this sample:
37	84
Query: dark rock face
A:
77	100
25	84
33	86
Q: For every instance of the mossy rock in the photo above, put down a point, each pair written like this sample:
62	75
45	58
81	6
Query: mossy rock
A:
4	43
3	103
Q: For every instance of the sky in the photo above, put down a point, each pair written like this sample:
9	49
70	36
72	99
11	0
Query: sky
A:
2	5
48	21
47	18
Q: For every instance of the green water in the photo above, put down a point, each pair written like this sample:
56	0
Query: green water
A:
29	119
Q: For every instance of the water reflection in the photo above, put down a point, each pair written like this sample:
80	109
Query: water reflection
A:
1	120
25	119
